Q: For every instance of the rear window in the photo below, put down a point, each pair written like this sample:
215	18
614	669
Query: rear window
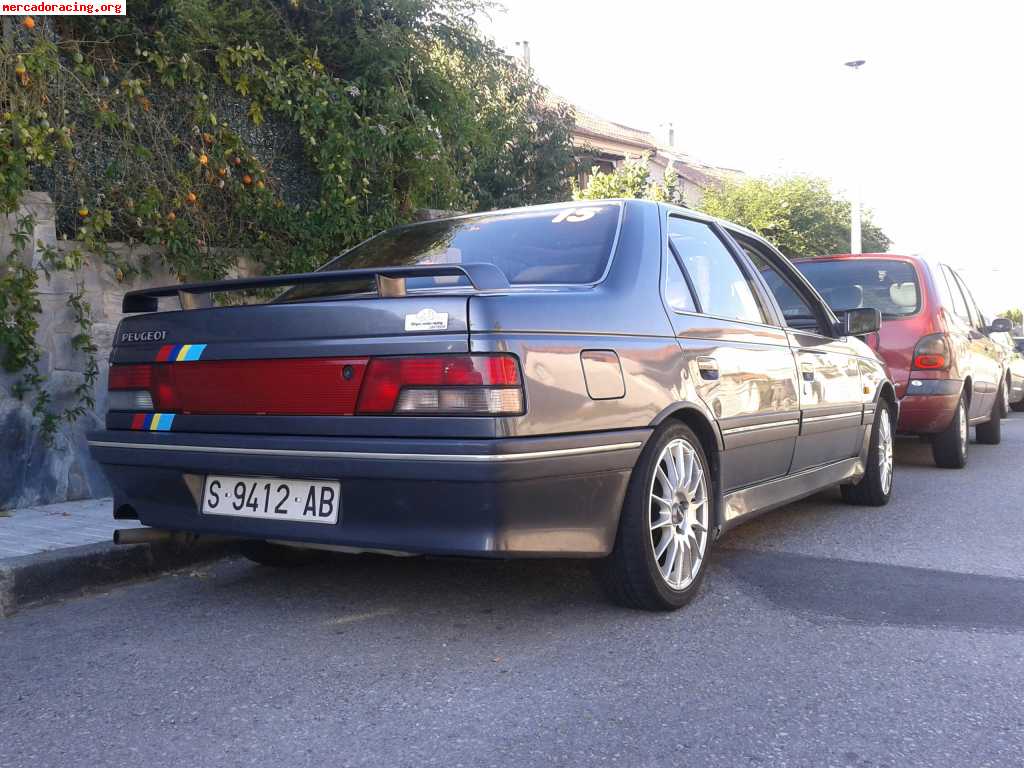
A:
549	246
889	286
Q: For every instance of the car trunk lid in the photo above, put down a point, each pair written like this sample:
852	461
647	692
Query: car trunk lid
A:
270	361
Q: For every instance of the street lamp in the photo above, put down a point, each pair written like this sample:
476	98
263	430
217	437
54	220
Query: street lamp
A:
855	246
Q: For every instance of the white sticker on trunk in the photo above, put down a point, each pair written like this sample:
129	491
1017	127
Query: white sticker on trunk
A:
427	320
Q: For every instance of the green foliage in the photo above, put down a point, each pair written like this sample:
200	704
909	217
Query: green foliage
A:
284	130
632	179
19	312
798	214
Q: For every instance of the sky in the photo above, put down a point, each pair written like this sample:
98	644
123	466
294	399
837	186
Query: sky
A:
931	128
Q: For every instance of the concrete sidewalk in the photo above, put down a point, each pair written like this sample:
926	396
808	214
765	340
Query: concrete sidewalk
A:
65	549
32	530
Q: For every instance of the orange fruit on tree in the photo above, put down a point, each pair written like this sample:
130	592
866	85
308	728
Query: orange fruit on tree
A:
172	216
83	211
28	22
247	179
222	171
237	161
203	159
190	198
208	138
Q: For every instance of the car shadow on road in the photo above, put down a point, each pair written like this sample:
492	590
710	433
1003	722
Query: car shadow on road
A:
913	452
880	594
371	582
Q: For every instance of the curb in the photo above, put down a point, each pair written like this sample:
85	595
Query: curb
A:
73	571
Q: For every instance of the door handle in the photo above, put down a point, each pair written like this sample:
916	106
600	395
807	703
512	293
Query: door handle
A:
807	369
708	368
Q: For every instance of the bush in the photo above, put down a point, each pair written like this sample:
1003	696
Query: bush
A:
799	215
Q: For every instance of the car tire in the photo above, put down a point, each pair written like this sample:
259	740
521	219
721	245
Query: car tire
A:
663	541
949	447
1004	401
875	488
991	432
1018	406
276	555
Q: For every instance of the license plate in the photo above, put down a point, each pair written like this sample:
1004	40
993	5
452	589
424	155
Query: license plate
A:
272	498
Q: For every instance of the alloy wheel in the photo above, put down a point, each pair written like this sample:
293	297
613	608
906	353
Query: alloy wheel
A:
885	452
679	514
961	414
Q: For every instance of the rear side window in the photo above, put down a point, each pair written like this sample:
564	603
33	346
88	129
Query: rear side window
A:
977	320
550	246
956	296
721	287
677	292
888	285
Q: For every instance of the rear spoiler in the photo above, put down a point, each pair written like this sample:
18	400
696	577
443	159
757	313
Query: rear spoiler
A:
390	283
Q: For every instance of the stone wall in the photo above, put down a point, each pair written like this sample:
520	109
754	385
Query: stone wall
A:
30	471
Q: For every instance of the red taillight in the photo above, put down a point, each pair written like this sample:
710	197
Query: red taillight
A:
470	384
130	377
926	362
931	353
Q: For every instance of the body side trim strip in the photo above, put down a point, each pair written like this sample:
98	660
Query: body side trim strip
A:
829	417
467	457
754	427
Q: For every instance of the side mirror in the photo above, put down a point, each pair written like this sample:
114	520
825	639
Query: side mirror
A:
1000	325
860	321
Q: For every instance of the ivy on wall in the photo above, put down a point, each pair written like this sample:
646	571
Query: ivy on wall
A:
279	131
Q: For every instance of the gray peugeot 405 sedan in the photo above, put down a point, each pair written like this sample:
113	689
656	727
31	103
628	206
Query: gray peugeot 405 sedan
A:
610	380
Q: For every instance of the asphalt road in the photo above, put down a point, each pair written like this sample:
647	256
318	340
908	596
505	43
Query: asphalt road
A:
826	635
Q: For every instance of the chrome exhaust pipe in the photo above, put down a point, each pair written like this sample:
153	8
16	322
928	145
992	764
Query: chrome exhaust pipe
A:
154	535
145	535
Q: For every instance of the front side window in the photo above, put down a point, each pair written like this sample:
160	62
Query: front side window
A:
721	287
888	285
797	311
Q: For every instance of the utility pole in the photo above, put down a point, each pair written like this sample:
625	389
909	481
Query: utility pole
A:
855	244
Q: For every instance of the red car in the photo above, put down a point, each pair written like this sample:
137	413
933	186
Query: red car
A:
948	373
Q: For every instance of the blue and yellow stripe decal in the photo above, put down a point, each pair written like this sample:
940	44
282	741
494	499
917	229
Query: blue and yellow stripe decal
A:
153	422
180	353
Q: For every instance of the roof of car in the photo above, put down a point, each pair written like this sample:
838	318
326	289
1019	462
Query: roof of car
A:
838	256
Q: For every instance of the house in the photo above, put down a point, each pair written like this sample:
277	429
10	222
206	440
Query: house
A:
604	144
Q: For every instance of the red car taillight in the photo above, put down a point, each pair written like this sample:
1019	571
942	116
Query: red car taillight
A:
473	385
931	353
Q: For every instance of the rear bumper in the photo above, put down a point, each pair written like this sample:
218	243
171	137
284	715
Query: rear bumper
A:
929	405
552	496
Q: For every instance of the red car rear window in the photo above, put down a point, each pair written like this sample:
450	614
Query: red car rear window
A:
888	285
